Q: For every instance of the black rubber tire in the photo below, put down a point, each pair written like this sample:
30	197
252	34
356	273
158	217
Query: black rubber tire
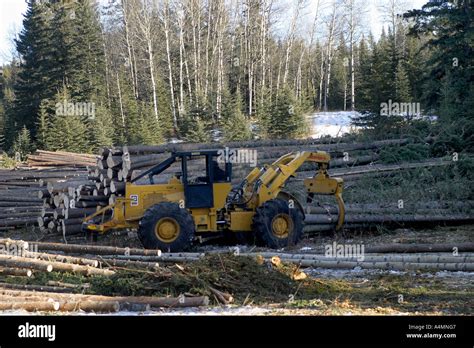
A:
262	224
146	229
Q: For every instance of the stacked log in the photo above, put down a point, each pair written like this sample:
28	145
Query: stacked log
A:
47	159
44	301
403	257
66	202
24	192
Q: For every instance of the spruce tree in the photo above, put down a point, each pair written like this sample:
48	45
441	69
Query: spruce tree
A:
70	130
263	112
150	130
195	126
235	124
101	128
447	26
35	45
198	132
363	77
23	144
44	136
286	119
402	84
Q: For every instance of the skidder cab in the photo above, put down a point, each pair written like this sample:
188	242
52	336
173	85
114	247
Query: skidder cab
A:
170	214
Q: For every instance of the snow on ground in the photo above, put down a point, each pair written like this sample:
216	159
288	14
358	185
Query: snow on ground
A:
358	272
333	124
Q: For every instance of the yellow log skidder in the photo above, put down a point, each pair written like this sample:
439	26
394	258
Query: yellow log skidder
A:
169	216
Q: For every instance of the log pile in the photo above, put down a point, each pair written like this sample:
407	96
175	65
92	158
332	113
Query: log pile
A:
324	217
58	296
181	268
47	159
20	201
66	203
44	301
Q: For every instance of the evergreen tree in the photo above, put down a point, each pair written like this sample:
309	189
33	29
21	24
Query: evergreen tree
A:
198	132
60	47
150	130
263	113
363	77
70	131
34	45
23	144
340	78
235	124
195	125
448	26
102	128
402	84
87	49
383	72
286	119
44	136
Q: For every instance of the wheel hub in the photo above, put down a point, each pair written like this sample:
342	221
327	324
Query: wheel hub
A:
281	225
167	230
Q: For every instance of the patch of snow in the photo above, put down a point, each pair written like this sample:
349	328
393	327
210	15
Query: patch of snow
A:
358	272
332	124
454	274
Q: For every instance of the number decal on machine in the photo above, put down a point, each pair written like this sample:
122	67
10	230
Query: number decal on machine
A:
134	201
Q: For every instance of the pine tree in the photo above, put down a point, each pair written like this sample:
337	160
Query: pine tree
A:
235	124
60	47
340	77
70	131
165	116
286	119
35	80
23	144
363	76
263	113
44	137
447	25
383	71
195	124
402	84
87	49
150	130
102	128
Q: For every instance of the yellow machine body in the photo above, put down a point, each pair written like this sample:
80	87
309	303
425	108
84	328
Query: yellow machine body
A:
128	210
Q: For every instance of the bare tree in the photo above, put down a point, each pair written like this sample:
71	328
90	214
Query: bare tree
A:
354	12
130	61
145	19
289	42
166	25
333	23
299	77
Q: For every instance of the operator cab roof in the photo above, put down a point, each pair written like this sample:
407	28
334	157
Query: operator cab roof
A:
197	153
